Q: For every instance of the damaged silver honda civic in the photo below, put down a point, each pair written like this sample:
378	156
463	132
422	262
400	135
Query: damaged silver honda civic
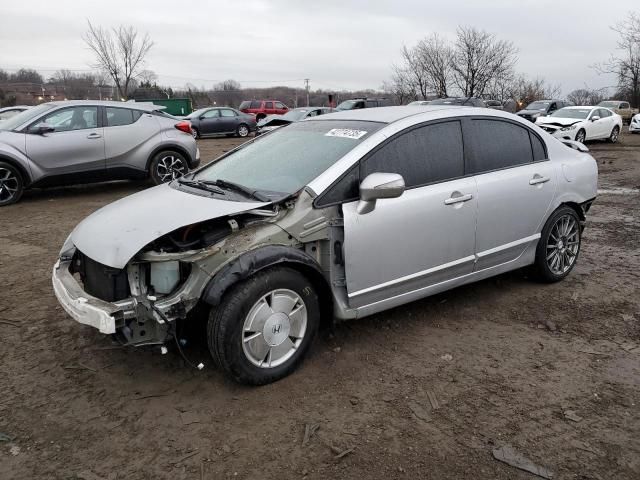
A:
340	216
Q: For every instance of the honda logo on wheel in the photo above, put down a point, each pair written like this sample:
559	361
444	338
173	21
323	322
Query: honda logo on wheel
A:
276	328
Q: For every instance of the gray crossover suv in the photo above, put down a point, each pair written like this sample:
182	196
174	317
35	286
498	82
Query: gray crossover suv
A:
62	143
343	215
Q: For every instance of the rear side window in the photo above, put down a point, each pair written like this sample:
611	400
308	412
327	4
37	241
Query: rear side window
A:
539	152
427	154
225	112
256	104
120	116
245	105
498	144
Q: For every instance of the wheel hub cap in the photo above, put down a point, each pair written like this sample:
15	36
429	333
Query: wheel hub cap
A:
276	329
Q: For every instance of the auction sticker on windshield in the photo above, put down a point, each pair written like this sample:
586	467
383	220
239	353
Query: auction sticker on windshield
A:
345	133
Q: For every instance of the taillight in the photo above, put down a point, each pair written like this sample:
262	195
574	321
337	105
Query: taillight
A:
184	126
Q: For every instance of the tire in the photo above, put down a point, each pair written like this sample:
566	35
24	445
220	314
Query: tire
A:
559	246
267	354
167	166
615	133
195	133
243	130
581	136
11	184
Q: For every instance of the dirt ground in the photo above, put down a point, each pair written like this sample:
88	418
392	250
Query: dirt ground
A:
427	390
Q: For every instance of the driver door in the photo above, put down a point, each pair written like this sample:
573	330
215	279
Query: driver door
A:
425	236
75	146
210	121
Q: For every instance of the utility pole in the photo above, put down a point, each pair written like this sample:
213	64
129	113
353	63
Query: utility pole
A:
306	86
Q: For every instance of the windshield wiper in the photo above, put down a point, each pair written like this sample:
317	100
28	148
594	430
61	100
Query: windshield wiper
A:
201	185
238	188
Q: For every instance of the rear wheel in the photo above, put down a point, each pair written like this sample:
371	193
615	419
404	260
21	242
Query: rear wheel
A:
559	246
195	133
264	326
581	136
11	184
167	166
615	133
242	130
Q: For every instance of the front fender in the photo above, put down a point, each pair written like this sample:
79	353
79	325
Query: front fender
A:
251	262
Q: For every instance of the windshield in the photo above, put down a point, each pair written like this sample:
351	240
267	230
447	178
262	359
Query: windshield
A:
349	105
579	113
608	104
287	159
23	117
538	106
419	102
294	115
197	113
451	101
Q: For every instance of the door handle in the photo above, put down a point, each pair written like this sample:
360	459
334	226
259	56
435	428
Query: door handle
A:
94	135
458	198
537	179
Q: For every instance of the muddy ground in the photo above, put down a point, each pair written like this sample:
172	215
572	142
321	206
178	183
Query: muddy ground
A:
427	390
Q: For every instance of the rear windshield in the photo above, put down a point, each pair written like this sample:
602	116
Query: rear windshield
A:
289	158
538	106
608	104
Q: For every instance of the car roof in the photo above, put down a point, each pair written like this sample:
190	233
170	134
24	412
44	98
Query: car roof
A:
145	106
387	114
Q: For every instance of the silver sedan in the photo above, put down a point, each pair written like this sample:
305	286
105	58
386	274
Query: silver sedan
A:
340	216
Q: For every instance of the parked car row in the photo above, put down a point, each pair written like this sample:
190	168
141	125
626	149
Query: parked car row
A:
7	112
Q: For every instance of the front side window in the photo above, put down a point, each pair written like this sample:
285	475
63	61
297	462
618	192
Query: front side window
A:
289	158
212	113
268	105
498	144
427	154
624	105
74	118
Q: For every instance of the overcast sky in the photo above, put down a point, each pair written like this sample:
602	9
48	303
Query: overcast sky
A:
337	44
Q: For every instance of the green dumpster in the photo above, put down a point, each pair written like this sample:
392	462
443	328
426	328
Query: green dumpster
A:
175	106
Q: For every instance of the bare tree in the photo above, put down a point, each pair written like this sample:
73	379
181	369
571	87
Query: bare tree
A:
121	52
412	72
76	85
478	58
435	58
586	96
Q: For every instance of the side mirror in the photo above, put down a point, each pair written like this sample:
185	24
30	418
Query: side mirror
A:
595	117
379	185
41	129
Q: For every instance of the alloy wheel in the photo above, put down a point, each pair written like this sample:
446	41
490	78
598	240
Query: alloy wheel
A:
9	185
580	136
274	328
170	167
563	244
243	130
614	135
194	133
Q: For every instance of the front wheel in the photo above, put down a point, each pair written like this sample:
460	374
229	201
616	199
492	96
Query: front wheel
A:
559	246
242	130
11	184
167	166
264	326
581	136
615	133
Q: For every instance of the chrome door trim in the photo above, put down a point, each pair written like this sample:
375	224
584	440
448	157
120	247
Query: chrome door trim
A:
507	246
413	276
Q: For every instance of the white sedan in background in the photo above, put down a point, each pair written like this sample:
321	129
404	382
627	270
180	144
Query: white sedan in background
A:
582	123
634	126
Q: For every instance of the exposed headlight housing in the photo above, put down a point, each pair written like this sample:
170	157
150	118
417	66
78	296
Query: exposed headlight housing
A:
570	127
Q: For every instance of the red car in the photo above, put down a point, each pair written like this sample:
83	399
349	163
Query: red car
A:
262	108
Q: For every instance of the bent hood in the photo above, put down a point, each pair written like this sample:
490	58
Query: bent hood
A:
558	121
115	233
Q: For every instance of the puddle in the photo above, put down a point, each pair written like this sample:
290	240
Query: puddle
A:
618	191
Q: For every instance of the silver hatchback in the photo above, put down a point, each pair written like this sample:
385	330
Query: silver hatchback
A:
340	216
62	143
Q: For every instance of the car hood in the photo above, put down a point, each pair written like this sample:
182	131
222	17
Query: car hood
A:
558	121
115	233
531	112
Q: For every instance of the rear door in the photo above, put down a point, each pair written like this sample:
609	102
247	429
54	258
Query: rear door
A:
421	238
76	147
516	184
128	135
